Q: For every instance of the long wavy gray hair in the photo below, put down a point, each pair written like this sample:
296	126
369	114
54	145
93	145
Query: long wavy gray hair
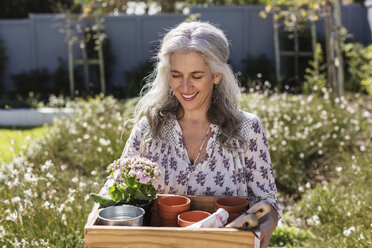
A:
158	104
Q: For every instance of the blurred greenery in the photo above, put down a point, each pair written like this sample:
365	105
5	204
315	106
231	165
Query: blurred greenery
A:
48	184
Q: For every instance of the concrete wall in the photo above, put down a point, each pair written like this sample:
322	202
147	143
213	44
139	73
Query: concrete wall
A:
36	42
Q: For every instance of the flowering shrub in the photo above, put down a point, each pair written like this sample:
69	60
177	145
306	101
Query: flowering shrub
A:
339	213
94	136
133	178
307	134
48	188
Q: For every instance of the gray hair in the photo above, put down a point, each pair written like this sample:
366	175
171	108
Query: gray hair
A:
158	104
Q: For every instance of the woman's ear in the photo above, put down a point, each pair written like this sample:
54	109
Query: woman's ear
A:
217	78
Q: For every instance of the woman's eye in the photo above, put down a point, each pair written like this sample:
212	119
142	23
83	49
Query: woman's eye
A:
175	76
197	77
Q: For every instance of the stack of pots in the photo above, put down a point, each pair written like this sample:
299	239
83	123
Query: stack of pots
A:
233	205
170	207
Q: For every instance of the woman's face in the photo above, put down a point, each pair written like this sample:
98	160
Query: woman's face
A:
192	81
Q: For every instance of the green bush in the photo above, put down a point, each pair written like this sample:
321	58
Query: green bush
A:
358	67
315	77
48	187
289	236
307	134
88	140
339	213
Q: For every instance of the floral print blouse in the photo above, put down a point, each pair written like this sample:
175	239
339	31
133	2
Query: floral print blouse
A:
243	171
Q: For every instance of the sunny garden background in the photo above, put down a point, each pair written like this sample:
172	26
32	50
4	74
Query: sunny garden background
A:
320	146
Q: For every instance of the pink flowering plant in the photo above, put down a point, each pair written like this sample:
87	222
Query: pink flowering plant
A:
133	178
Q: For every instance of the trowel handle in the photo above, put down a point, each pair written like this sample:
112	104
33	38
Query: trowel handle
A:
259	209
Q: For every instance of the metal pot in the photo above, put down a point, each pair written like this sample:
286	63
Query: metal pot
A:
123	215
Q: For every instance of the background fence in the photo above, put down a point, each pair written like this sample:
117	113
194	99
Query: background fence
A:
37	42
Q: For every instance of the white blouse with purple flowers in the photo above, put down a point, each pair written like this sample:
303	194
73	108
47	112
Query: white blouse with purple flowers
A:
244	171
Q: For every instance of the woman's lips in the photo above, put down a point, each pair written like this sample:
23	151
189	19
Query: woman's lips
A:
189	97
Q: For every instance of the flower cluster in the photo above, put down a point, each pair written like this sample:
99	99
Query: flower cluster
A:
133	178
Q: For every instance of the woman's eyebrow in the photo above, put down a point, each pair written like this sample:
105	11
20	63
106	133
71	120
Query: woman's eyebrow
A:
193	72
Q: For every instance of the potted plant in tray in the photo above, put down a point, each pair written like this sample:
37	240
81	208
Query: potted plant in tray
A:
133	178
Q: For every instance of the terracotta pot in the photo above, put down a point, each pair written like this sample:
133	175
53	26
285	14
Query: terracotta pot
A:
174	203
170	206
168	215
167	222
191	217
233	205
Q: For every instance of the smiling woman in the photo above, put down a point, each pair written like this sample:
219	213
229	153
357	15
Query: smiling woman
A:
187	121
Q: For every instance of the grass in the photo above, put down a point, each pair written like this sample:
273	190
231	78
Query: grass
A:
13	140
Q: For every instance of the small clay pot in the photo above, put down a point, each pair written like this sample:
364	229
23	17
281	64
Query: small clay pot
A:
191	217
170	206
233	205
174	203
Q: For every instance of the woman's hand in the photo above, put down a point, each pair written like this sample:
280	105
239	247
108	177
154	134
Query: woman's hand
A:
267	225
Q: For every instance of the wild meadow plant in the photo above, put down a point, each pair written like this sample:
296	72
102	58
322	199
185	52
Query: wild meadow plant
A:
45	192
308	134
338	213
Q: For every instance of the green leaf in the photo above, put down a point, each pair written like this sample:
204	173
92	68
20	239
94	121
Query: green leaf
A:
139	195
104	202
116	193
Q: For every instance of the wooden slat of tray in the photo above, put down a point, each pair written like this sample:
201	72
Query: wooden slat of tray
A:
108	236
156	236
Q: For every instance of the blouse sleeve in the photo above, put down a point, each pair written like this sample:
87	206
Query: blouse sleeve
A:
132	147
259	170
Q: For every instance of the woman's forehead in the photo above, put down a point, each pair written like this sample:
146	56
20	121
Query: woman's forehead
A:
190	61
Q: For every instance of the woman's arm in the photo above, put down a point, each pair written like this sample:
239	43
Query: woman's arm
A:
260	179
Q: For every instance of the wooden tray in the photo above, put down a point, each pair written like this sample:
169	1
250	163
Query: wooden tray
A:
157	236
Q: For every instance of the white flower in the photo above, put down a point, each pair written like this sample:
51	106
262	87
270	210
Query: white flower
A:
2	232
93	173
319	208
86	136
46	204
15	199
308	185
104	142
301	189
86	198
361	236
339	169
349	231
12	216
348	214
362	148
75	179
99	149
313	221
366	114
320	152
47	165
63	167
283	142
82	184
50	176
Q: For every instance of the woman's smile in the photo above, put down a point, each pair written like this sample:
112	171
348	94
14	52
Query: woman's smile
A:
189	97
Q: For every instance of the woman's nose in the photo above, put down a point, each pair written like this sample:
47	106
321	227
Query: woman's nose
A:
185	84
